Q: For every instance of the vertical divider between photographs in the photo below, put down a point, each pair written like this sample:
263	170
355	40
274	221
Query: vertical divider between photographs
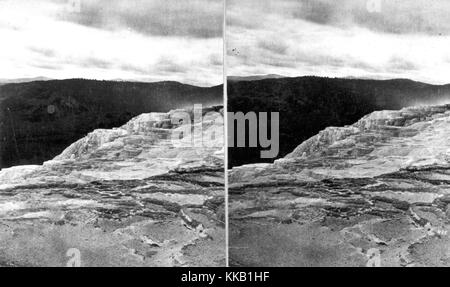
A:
225	142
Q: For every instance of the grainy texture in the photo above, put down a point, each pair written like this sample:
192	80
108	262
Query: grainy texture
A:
122	197
310	104
38	120
373	193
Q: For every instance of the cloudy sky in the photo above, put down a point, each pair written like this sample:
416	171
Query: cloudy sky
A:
345	38
149	40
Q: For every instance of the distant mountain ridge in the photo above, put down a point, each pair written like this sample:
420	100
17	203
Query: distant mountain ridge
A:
39	119
254	78
23	80
310	104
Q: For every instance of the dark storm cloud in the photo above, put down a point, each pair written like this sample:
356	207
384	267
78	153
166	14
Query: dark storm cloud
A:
388	16
340	38
113	39
321	12
193	18
406	17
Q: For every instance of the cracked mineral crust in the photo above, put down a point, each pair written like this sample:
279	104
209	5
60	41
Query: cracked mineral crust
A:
121	197
376	193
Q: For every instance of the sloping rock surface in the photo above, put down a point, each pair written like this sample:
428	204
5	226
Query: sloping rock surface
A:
128	196
375	193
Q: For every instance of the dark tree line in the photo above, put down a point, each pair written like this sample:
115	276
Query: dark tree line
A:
38	120
307	105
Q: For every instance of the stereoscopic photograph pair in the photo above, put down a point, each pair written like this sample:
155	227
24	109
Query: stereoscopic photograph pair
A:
224	133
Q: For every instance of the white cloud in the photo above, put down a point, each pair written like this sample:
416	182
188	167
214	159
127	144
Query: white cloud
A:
36	42
279	43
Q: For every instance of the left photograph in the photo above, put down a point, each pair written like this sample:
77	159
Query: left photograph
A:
112	133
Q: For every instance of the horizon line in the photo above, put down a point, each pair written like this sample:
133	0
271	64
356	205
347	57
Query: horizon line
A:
6	81
278	76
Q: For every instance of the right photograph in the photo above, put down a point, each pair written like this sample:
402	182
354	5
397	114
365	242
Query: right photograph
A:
338	133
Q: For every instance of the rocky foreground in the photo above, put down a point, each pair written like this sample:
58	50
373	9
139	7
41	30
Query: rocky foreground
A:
120	197
376	193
